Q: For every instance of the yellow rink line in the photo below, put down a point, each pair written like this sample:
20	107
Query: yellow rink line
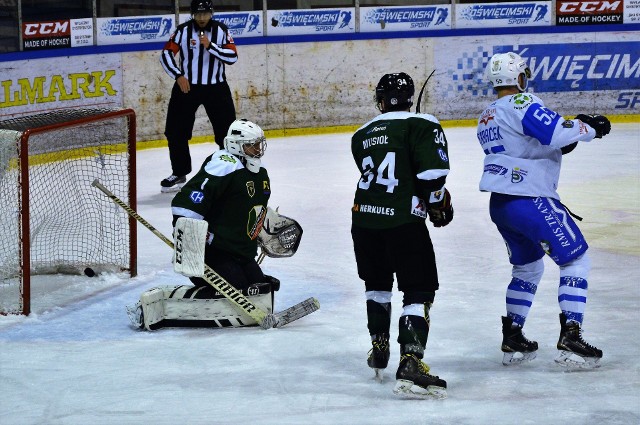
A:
288	132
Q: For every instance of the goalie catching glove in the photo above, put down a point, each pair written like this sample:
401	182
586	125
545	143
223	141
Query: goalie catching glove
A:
280	235
440	208
599	123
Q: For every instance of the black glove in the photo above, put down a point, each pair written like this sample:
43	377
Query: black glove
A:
599	123
275	283
441	213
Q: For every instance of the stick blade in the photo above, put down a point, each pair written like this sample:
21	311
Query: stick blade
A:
295	312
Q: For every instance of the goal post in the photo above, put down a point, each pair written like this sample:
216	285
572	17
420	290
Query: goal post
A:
51	219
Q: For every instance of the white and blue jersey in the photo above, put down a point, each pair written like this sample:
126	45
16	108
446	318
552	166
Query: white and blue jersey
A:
521	139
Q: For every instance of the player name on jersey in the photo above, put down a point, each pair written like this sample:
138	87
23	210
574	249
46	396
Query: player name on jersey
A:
379	140
373	209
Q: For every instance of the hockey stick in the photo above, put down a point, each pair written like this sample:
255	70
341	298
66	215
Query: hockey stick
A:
265	320
422	91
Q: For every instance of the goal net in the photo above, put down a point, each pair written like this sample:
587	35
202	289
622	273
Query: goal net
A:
51	219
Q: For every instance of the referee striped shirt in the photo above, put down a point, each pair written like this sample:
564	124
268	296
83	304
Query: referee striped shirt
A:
185	55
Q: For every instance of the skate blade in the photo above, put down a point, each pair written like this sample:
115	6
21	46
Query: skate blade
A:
171	189
510	359
572	361
135	315
379	375
407	389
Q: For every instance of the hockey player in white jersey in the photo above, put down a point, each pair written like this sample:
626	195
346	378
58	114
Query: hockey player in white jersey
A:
524	141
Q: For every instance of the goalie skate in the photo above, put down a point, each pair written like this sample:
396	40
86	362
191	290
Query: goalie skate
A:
135	315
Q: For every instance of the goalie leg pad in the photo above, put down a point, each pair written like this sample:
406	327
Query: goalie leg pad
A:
152	303
190	238
179	306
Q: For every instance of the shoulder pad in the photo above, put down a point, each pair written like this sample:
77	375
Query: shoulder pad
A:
428	117
222	163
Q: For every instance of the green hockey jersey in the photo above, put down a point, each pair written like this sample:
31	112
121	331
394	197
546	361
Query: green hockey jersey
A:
232	199
392	152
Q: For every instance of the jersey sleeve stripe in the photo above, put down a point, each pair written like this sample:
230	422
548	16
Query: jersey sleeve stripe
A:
433	174
184	212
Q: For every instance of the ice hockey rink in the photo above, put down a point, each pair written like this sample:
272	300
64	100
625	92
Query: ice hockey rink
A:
76	360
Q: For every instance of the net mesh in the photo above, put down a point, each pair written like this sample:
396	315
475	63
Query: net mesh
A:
72	225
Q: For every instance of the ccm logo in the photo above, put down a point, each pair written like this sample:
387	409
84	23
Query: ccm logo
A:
54	28
590	6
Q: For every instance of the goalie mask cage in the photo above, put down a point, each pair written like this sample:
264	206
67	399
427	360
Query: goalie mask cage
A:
52	219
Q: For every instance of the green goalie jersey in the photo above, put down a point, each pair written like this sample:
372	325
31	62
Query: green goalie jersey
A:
392	152
231	199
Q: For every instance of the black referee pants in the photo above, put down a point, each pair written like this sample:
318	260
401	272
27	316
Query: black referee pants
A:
217	102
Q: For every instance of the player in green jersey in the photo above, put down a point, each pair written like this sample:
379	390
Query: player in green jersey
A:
220	217
230	192
403	161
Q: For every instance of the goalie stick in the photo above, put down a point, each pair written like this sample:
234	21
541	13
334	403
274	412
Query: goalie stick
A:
264	320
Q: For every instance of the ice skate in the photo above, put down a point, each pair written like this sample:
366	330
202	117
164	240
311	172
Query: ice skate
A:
379	355
515	346
135	315
172	183
414	381
575	352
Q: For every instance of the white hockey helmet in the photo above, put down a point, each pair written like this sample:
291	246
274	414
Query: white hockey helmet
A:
504	69
246	140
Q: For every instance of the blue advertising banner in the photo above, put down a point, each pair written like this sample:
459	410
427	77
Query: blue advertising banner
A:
555	67
503	14
242	24
324	21
405	18
597	66
135	29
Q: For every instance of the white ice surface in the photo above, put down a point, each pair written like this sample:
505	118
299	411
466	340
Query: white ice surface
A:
81	363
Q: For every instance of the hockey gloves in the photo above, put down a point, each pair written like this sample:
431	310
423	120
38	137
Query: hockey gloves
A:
599	123
441	212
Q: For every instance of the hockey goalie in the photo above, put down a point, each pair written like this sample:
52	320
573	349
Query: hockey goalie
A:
220	218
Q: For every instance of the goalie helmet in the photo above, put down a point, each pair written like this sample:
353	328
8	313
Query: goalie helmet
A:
198	6
246	140
504	69
394	92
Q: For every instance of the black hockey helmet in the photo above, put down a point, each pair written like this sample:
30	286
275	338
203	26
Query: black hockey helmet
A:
396	90
198	6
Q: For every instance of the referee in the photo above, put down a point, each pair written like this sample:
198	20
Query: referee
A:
196	55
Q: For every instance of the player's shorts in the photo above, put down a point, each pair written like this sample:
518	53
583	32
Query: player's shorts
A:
532	227
405	250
